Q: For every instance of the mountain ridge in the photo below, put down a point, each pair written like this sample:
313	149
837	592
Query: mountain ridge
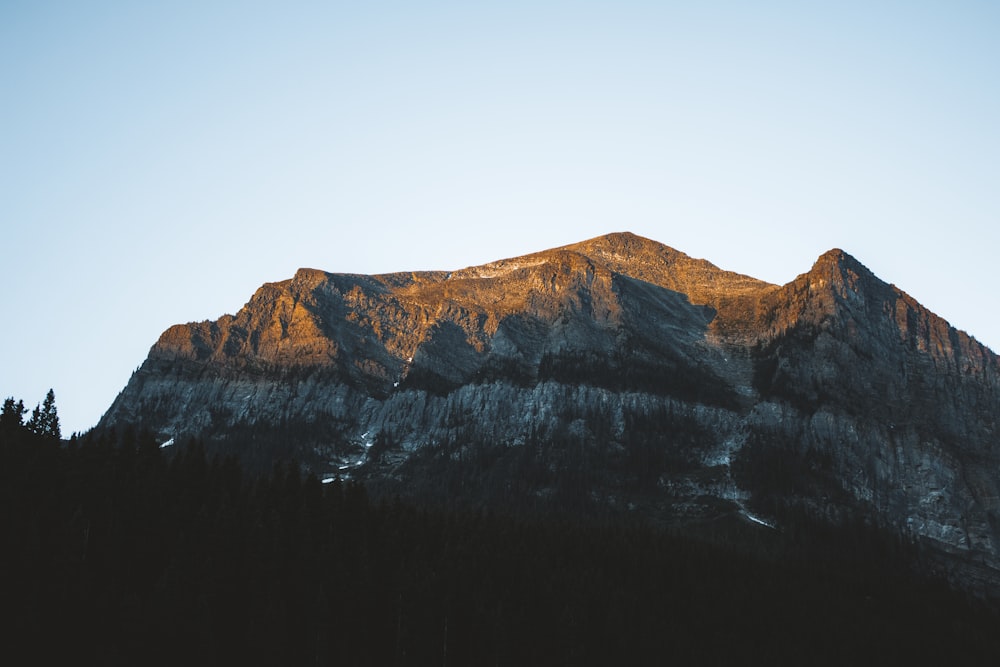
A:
686	385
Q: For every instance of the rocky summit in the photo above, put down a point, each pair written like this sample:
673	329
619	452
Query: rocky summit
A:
616	374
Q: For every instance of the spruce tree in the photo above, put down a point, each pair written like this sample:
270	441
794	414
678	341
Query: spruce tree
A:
35	421
45	418
50	417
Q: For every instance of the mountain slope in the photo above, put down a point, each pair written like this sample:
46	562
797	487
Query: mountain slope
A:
615	373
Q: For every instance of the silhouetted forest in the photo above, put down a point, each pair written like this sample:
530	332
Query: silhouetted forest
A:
113	551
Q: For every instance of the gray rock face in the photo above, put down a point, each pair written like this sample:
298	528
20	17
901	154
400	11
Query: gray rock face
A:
662	383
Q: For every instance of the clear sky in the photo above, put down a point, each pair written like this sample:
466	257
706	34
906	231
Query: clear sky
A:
161	160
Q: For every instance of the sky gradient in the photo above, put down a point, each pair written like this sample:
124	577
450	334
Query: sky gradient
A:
160	161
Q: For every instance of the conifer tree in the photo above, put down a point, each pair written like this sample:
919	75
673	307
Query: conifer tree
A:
50	416
35	421
13	414
45	418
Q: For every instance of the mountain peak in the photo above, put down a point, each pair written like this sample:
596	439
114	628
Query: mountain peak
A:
624	245
841	260
839	268
834	255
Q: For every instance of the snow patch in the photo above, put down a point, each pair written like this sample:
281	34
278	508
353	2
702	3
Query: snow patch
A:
753	517
168	443
367	442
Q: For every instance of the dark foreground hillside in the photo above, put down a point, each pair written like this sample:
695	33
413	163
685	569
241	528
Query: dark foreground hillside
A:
116	552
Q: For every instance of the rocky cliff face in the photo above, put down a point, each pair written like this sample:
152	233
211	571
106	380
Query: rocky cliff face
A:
616	371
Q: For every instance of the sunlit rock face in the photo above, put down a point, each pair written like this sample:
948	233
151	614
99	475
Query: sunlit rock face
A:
618	368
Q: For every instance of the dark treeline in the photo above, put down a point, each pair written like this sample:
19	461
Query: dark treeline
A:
44	418
574	472
113	551
638	370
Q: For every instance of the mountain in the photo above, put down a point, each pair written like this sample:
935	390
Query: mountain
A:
613	375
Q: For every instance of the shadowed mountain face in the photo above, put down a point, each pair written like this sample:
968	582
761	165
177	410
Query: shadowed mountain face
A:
615	373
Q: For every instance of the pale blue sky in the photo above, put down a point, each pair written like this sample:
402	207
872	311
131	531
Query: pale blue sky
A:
159	161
